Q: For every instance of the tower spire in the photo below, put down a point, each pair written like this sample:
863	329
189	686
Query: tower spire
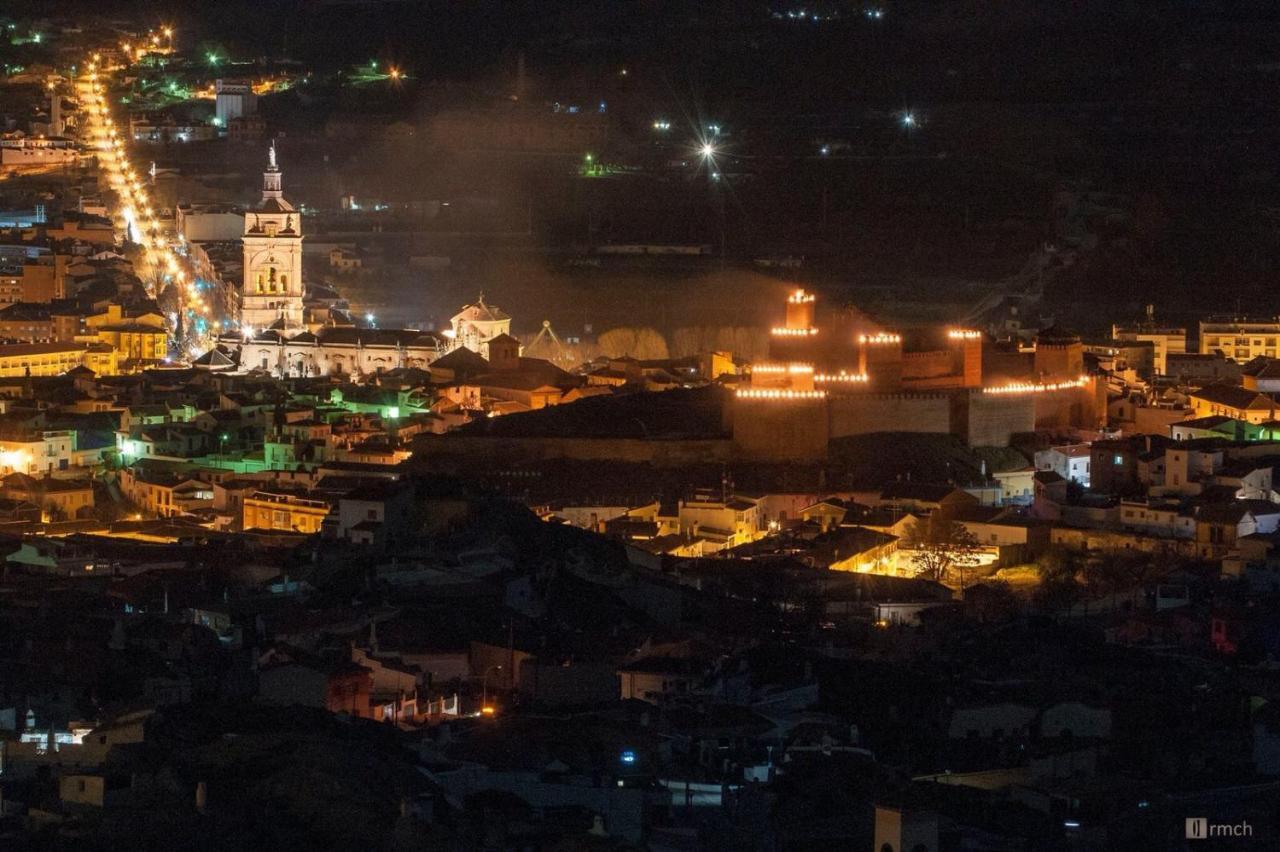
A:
271	177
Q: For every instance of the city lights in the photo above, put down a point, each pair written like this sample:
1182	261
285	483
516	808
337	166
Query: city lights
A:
793	332
774	393
137	213
964	334
882	338
794	369
800	297
1038	387
840	378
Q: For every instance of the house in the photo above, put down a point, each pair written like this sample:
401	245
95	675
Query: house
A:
1214	426
1114	463
165	493
880	599
288	677
377	514
1070	461
58	499
660	679
1017	487
927	497
1233	401
38	451
284	510
1154	517
826	514
137	336
725	522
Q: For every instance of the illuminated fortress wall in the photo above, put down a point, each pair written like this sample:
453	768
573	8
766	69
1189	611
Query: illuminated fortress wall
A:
858	414
780	430
990	420
832	381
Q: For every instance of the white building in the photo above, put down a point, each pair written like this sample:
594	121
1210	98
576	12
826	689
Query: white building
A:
330	351
475	325
233	99
271	294
1071	462
39	453
24	153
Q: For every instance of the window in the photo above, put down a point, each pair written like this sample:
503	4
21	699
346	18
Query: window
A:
1117	460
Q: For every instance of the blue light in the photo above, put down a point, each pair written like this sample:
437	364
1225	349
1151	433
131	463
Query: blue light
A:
628	757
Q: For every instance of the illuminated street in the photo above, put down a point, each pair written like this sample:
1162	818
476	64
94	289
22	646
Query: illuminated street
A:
162	259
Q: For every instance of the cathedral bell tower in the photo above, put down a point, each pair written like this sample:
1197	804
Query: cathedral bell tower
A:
271	293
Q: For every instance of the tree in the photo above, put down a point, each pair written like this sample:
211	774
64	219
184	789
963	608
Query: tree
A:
641	343
941	547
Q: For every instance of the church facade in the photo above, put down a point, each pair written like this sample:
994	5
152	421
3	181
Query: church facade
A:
276	335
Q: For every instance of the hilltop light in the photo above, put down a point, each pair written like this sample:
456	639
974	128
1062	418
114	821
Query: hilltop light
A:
708	150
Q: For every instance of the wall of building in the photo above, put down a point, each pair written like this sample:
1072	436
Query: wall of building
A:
929	365
858	414
990	420
781	429
1080	407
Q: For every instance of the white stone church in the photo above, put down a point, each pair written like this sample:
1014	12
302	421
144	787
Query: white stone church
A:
275	333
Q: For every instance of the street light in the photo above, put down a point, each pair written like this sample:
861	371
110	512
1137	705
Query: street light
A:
708	150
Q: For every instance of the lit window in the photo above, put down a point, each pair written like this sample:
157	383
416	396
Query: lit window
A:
1117	460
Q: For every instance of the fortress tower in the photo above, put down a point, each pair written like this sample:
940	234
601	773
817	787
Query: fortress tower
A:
1059	355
